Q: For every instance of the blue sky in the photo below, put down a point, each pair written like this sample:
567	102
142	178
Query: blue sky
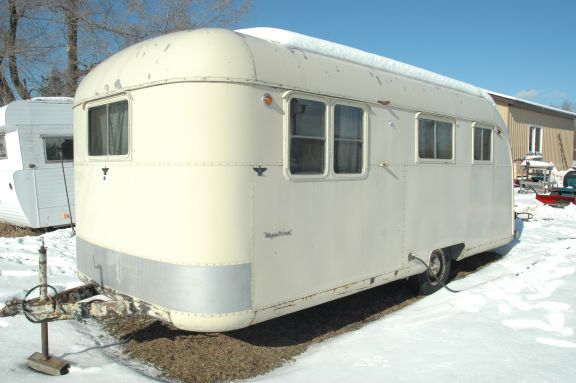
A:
520	48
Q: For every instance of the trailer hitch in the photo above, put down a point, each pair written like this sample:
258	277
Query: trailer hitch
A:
76	303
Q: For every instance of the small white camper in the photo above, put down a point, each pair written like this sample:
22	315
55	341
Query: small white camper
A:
32	181
224	178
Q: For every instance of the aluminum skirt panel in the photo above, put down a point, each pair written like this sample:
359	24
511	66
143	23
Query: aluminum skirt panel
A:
193	289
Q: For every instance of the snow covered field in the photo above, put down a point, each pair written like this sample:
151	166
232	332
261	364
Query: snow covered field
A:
513	322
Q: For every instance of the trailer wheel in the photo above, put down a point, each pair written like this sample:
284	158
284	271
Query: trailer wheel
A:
439	264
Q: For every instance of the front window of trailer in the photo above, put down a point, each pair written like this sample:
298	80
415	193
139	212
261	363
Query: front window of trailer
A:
108	129
307	136
54	146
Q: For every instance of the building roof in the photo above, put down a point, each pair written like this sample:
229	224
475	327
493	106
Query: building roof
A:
529	105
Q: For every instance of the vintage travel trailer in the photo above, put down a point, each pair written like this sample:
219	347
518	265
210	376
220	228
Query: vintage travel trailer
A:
32	182
224	178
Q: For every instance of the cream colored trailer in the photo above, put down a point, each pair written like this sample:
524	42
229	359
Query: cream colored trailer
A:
226	178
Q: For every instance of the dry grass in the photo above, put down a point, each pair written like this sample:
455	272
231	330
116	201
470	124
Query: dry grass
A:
8	230
241	354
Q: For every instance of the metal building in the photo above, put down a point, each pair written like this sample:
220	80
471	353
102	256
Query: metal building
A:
538	129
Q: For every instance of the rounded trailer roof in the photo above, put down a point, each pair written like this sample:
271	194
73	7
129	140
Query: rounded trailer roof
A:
343	52
196	55
266	56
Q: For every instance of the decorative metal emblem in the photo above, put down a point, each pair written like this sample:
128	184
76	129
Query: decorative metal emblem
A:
260	170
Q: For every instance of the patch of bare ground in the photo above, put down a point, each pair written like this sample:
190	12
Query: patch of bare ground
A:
472	264
245	353
8	230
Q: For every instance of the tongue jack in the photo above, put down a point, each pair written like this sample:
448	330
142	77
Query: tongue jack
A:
43	362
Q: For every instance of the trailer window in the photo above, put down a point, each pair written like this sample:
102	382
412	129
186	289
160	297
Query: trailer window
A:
3	150
435	139
482	144
307	136
108	129
348	139
53	146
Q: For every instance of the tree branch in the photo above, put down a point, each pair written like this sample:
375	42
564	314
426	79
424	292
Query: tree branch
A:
72	48
11	44
6	93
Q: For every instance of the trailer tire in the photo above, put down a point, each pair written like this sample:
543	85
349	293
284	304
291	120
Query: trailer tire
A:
438	263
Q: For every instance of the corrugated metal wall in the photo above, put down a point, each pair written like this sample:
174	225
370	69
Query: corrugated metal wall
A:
574	151
503	109
519	122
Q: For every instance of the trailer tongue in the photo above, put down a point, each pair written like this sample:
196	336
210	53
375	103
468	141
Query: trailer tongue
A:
77	303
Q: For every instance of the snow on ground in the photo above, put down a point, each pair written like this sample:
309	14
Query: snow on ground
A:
513	321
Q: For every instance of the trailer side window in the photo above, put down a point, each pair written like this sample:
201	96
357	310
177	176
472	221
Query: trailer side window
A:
307	136
3	150
348	139
108	129
53	146
482	144
435	139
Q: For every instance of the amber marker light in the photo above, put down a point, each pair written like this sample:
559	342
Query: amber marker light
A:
267	99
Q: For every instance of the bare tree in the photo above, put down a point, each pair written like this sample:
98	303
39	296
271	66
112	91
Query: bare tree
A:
11	85
569	106
34	34
15	15
54	84
71	16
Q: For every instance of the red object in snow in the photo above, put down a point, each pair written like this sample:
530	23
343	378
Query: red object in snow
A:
559	197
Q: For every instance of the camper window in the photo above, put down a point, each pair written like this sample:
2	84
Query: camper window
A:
307	136
435	139
348	139
108	129
53	145
482	144
3	151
